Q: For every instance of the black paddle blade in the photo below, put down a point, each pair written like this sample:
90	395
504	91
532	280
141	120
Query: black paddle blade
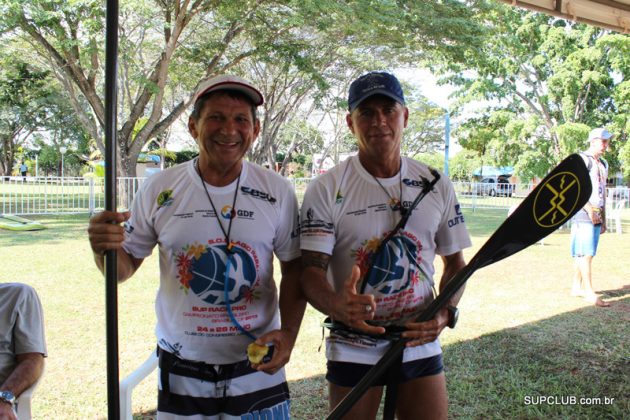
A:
563	192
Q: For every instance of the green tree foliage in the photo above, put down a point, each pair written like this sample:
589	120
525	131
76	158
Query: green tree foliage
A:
434	160
425	129
299	139
184	156
462	165
23	93
167	47
545	83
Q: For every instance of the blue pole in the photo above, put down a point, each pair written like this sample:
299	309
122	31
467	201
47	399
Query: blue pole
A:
447	138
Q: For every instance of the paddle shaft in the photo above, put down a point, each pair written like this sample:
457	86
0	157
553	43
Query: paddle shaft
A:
111	269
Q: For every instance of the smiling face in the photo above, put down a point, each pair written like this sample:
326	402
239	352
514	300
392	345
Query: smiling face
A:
224	129
378	124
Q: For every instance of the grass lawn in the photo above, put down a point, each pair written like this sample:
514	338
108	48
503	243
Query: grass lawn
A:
521	335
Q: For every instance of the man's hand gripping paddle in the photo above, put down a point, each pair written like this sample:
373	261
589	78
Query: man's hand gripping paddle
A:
563	192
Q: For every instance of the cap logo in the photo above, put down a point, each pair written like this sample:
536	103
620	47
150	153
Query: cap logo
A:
372	87
373	81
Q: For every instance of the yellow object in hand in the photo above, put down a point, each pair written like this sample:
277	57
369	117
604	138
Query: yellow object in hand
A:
256	352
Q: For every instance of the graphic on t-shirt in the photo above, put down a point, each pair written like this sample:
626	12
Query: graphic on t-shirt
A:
165	198
202	269
338	197
227	212
396	267
261	195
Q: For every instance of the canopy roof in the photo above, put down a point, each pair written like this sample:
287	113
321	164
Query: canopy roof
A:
608	14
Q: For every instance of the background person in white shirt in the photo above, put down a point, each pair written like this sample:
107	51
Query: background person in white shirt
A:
590	222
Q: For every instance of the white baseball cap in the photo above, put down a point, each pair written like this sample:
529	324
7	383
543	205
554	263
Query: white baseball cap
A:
230	82
599	133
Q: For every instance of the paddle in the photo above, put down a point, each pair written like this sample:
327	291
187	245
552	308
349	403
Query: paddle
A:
111	275
562	193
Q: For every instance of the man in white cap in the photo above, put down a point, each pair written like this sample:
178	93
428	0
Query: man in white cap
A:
590	222
217	220
372	288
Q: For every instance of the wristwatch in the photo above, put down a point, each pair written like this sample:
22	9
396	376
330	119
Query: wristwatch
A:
7	397
453	314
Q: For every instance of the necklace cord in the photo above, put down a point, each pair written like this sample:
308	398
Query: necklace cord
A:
394	204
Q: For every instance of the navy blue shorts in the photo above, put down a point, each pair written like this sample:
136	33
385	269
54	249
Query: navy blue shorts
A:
349	374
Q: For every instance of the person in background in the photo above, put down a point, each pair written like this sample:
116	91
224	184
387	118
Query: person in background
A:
218	220
590	221
374	292
23	170
22	344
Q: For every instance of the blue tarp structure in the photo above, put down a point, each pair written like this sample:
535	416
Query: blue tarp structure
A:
493	171
99	166
143	157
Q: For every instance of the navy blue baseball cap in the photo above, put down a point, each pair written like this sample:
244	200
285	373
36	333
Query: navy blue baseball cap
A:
374	83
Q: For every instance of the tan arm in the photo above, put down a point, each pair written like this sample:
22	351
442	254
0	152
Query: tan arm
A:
292	300
452	265
27	371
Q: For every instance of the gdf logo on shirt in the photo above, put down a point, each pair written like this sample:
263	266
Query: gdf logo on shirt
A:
556	200
227	212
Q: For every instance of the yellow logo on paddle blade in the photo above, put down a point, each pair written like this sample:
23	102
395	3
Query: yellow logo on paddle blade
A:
556	199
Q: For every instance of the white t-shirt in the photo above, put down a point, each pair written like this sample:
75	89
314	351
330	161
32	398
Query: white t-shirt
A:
21	325
172	210
598	173
346	214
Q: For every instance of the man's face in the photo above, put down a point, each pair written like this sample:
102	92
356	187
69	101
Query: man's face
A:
599	145
378	124
224	130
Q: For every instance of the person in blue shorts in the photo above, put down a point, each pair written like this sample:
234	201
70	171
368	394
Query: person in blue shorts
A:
590	221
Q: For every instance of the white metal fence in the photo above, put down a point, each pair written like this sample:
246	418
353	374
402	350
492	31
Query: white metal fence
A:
55	195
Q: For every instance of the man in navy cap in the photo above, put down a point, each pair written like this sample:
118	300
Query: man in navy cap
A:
590	222
218	221
371	279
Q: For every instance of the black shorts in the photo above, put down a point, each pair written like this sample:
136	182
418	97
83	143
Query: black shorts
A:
349	374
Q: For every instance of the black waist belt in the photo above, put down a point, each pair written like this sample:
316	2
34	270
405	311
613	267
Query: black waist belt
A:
170	363
392	332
